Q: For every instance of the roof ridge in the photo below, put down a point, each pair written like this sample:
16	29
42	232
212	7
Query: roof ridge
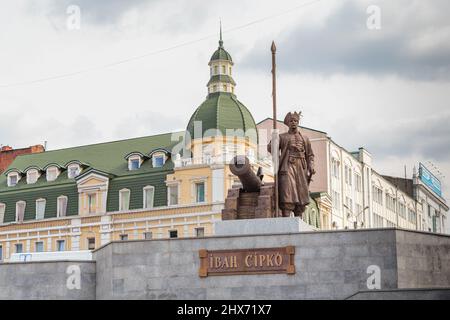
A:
96	144
236	101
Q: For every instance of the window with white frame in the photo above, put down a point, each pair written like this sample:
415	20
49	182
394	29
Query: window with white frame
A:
377	195
39	246
20	210
402	209
336	199
335	168
32	176
358	182
2	211
390	202
377	221
73	170
92	202
148	198
200	192
52	173
13	178
134	162
124	199
40	208
173	194
412	215
62	206
158	160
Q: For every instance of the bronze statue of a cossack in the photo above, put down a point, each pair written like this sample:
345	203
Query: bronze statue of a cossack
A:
296	168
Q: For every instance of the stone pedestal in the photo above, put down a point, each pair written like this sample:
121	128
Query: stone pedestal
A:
249	205
261	226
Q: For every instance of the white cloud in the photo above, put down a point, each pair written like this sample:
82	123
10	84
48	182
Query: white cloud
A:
158	93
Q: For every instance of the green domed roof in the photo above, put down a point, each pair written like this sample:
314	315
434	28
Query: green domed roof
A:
221	54
222	111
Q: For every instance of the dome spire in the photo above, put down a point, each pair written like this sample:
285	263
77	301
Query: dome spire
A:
220	40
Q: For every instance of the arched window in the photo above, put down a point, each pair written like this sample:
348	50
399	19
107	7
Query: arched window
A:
225	87
224	69
216	69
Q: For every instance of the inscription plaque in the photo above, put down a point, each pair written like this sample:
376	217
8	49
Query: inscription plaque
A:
247	261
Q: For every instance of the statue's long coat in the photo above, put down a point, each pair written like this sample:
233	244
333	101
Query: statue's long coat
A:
293	177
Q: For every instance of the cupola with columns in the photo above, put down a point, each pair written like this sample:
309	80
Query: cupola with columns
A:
221	66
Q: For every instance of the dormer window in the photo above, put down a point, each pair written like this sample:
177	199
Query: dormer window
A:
32	176
158	160
52	173
134	163
73	171
13	178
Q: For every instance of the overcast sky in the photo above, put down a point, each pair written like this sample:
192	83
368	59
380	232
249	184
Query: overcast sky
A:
385	89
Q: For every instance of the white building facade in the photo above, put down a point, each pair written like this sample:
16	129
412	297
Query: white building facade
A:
361	196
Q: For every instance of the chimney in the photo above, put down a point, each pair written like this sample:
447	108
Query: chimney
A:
37	148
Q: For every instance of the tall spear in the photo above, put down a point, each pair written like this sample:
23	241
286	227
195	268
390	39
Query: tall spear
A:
275	145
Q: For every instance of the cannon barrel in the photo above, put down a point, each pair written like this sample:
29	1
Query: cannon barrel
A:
240	166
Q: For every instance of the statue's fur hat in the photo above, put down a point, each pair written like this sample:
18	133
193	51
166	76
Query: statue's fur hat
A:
292	114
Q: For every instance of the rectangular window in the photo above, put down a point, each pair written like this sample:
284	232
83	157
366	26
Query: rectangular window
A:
134	164
377	195
123	237
32	177
19	248
62	206
148	235
20	211
200	192
158	161
2	212
52	174
149	195
1	253
91	243
73	171
346	174
39	246
358	180
60	245
224	70
336	199
173	195
402	210
199	232
173	234
92	202
124	199
40	208
12	180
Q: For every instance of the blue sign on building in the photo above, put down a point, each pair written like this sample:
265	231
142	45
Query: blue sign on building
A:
430	180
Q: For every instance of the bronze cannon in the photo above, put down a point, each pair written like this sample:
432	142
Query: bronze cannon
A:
240	166
254	200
